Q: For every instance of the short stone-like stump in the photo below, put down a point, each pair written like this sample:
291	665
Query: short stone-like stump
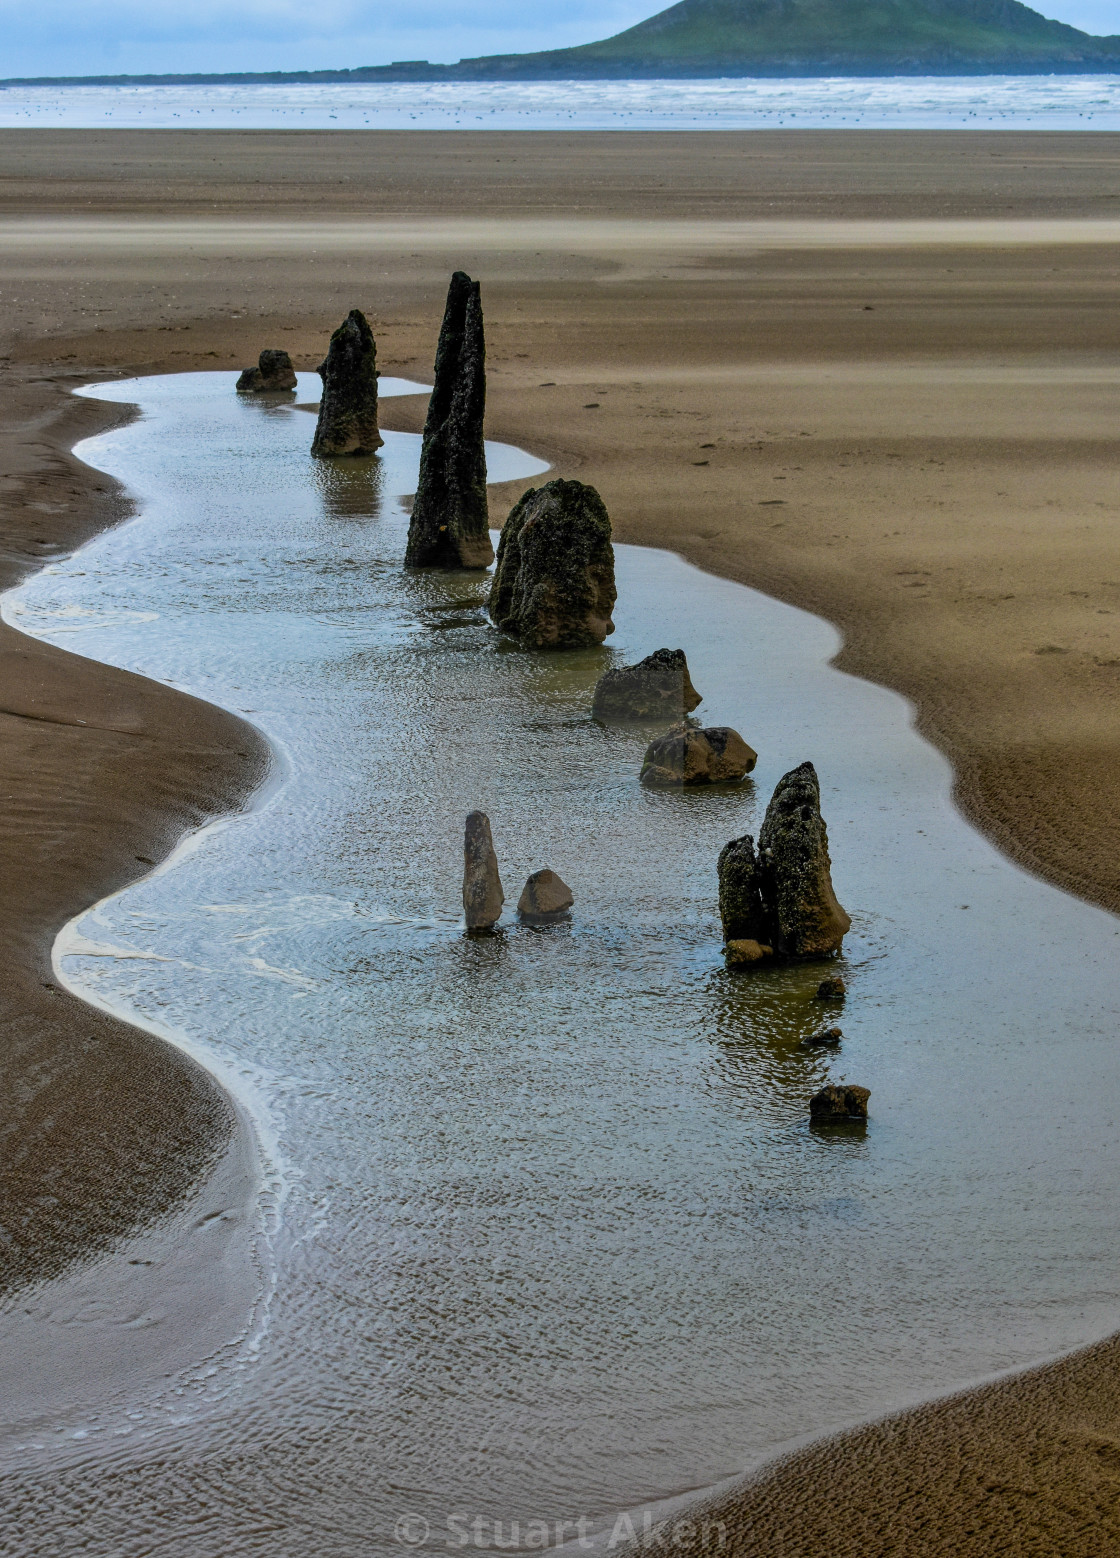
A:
836	1104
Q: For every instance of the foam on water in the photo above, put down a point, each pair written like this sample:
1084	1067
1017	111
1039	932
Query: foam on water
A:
891	102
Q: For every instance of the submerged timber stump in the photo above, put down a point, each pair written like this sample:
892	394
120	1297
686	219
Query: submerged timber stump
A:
482	886
657	686
273	373
781	897
554	584
838	1104
742	907
450	524
807	918
545	897
687	755
348	410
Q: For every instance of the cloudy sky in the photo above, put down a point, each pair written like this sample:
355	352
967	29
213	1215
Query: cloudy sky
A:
91	37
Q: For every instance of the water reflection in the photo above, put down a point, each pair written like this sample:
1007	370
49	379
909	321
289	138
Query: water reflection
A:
351	488
756	1021
270	402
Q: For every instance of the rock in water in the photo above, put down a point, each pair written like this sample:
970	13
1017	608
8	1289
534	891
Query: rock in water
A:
743	952
658	687
554	584
832	989
686	755
741	906
348	410
828	1038
450	524
782	897
482	886
273	372
805	918
545	896
834	1104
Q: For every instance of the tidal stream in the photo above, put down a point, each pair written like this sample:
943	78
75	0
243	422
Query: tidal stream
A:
553	1235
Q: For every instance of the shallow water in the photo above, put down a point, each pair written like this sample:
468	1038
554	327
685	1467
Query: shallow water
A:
844	102
556	1235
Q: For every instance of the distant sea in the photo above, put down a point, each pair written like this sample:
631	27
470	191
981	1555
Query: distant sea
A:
893	102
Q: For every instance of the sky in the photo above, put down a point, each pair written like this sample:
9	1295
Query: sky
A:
94	37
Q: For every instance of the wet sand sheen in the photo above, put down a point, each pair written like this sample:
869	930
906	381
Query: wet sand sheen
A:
640	1140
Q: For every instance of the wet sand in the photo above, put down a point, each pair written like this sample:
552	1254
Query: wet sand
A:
907	428
103	1129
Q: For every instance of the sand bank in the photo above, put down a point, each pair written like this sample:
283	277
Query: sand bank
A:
103	1127
914	439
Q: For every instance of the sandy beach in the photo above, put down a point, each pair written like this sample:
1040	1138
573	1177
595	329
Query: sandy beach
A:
873	374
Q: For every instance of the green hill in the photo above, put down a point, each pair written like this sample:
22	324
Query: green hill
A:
825	37
704	38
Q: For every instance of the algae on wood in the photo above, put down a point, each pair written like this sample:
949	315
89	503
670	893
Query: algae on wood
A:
348	410
554	584
450	524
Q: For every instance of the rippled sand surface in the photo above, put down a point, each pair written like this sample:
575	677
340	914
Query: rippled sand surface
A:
553	1234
